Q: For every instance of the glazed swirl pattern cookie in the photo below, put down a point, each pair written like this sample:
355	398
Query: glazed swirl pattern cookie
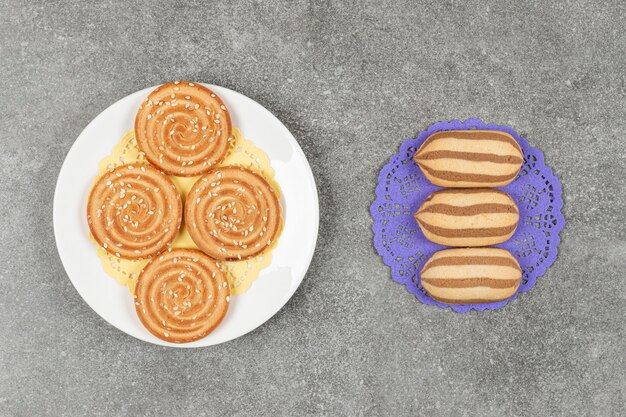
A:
182	152
134	211
232	213
183	128
182	296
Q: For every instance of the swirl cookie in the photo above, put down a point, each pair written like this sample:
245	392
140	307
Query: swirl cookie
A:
134	211
470	158
471	275
468	217
232	213
183	128
182	296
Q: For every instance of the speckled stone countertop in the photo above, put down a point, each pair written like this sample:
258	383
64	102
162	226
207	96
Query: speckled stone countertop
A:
350	81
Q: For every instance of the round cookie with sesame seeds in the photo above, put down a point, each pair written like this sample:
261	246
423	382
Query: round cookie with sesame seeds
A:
232	213
182	295
134	211
183	128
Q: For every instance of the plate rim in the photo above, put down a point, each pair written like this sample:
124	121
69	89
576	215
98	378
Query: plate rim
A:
308	258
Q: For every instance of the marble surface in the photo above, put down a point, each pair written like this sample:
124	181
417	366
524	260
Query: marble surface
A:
351	80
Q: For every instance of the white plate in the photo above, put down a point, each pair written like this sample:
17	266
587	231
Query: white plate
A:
275	285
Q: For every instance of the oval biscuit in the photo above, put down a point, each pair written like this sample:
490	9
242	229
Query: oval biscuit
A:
468	217
470	158
471	275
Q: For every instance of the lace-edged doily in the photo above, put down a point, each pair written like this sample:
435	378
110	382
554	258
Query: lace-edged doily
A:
402	188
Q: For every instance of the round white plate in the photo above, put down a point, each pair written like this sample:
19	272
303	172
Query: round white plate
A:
275	285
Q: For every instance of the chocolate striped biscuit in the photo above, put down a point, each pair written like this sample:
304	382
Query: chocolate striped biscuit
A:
470	158
468	217
471	275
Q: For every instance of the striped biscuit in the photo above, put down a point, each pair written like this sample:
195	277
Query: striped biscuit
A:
468	217
470	158
471	275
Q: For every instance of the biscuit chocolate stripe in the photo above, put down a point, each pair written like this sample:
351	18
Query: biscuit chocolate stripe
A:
494	135
460	176
463	301
471	282
478	232
447	191
472	260
486	208
469	156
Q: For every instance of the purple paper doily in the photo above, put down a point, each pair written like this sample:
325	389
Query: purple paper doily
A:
402	188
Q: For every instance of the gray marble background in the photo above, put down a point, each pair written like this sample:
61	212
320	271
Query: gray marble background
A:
350	80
